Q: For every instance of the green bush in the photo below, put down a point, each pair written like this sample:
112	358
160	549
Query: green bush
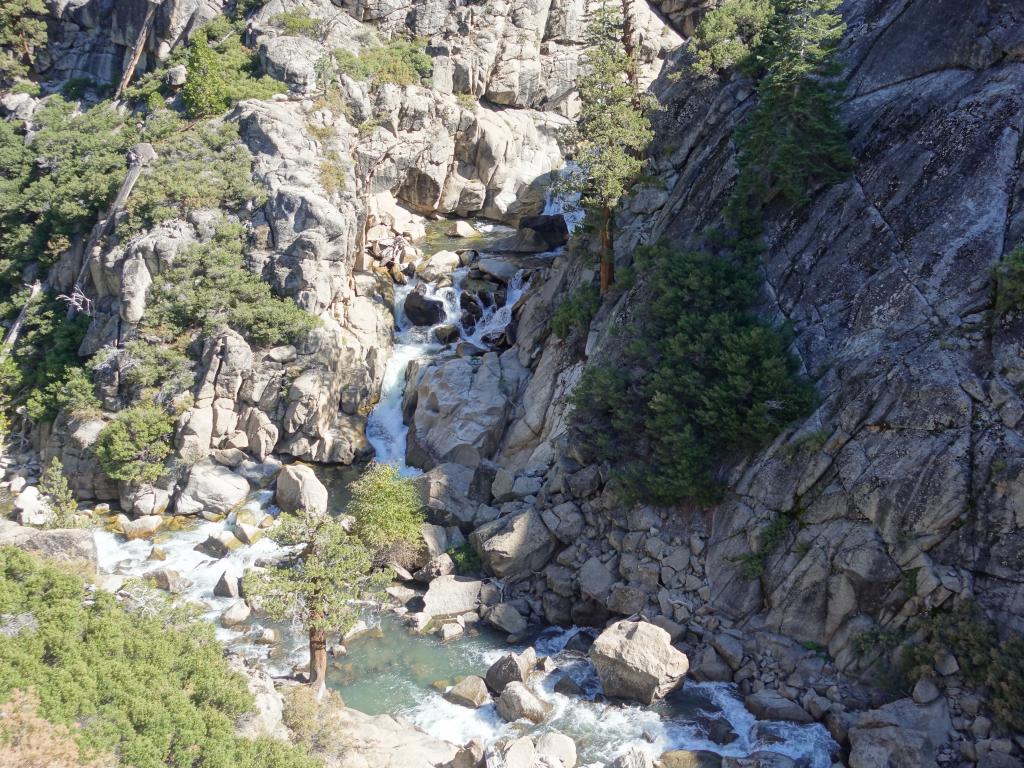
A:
54	484
22	35
985	660
73	393
729	33
221	72
54	188
47	358
160	372
205	167
386	507
209	286
707	380
133	446
150	687
467	560
401	62
298	22
576	311
1008	282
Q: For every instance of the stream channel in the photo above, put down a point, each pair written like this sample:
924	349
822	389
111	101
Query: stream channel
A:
390	670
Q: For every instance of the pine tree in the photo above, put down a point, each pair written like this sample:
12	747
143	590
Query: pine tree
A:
612	130
794	141
317	584
22	31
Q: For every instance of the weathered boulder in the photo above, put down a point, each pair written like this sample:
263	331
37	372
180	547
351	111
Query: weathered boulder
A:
228	585
505	617
471	691
514	544
141	527
536	234
438	265
420	309
451	596
685	758
900	734
235	614
559	749
211	489
635	660
512	667
267	718
517	701
769	704
72	545
298	487
170	580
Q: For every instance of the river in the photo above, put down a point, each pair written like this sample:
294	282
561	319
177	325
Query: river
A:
389	670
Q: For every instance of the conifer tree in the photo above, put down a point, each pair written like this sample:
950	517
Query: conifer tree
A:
611	132
794	141
317	584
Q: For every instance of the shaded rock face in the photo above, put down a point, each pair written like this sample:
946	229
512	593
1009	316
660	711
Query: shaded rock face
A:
911	462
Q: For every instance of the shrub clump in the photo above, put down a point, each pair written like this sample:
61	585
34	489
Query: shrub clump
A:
729	34
386	507
209	287
703	379
54	485
400	62
205	167
133	446
576	311
151	687
1008	282
221	72
299	22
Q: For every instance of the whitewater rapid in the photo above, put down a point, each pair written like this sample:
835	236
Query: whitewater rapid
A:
394	672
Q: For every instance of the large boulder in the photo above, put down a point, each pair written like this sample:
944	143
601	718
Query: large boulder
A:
536	234
420	309
559	749
211	490
769	704
511	668
72	545
635	660
298	487
514	544
471	691
451	596
517	702
900	734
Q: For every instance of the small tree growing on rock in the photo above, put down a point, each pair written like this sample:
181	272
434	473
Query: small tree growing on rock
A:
386	507
611	133
317	585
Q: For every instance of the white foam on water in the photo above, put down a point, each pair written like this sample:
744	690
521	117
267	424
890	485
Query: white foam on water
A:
601	729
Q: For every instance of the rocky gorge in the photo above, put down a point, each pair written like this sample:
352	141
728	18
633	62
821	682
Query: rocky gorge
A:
417	224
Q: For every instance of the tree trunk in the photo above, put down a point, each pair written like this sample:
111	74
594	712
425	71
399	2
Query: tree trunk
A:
140	45
317	661
607	255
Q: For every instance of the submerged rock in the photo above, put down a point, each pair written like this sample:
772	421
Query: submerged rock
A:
635	660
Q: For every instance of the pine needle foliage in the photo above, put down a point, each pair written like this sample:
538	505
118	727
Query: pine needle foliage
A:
793	143
386	507
222	71
133	446
703	380
728	34
209	287
611	133
152	688
22	33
